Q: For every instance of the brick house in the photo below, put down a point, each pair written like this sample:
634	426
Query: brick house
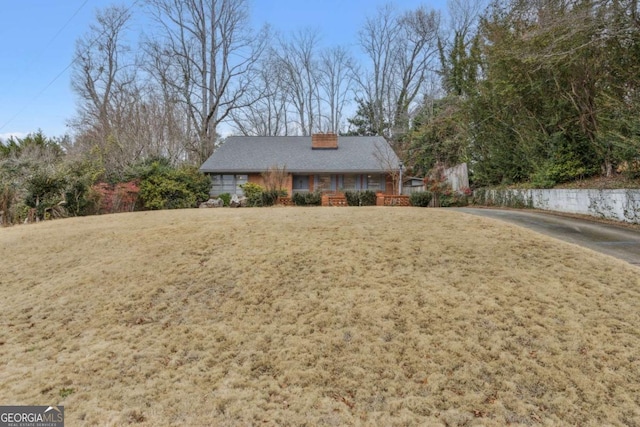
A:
321	162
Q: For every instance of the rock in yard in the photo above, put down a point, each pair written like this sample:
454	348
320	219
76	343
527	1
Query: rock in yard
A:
237	202
212	203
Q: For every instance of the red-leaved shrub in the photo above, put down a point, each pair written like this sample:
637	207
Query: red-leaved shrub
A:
121	197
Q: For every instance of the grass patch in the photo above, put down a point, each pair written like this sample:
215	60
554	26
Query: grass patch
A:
287	316
65	392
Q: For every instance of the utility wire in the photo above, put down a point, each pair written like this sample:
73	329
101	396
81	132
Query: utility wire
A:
61	73
51	40
36	57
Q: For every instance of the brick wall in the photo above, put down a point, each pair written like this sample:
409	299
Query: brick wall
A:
257	178
392	200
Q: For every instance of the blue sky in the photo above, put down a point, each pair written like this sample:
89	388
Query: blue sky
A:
37	39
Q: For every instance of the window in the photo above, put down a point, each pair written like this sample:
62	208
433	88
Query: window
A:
350	182
227	184
323	183
375	182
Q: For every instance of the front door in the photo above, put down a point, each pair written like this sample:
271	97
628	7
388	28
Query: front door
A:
300	183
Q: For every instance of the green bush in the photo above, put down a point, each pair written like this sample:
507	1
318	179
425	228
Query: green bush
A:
420	198
307	199
298	199
45	192
257	196
269	197
368	198
146	168
453	200
629	160
81	176
196	182
165	187
360	198
353	198
251	190
226	198
163	192
564	167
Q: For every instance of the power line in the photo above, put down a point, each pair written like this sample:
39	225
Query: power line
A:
46	47
37	95
33	59
75	57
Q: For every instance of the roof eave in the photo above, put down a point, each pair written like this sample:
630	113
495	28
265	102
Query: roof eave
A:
296	171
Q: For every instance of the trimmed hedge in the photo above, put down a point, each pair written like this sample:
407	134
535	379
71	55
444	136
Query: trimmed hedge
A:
420	198
360	198
307	199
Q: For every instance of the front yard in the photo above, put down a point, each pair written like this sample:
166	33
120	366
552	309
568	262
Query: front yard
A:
323	316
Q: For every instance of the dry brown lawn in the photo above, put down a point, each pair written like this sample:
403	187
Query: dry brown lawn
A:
315	316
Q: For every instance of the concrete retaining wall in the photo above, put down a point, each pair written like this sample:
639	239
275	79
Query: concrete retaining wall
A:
621	205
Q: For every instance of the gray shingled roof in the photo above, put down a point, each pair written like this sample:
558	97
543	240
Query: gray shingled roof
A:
247	154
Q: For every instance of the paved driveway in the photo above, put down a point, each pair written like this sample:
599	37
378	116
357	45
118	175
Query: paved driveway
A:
616	241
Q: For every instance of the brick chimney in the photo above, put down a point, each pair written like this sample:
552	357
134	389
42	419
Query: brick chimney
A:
324	141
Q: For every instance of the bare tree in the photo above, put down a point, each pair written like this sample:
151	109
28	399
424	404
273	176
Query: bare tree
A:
463	16
401	49
104	78
268	116
377	39
297	62
301	89
171	129
337	83
214	52
389	161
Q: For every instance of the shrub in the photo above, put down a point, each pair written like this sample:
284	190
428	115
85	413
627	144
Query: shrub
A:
81	175
253	192
269	197
226	198
453	200
352	197
307	199
165	187
420	198
7	202
258	196
541	179
367	198
298	199
251	189
196	182
148	167
360	198
45	193
162	192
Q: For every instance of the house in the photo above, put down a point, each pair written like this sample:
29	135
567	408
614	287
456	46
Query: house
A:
321	162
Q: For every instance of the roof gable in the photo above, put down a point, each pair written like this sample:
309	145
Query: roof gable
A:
254	154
